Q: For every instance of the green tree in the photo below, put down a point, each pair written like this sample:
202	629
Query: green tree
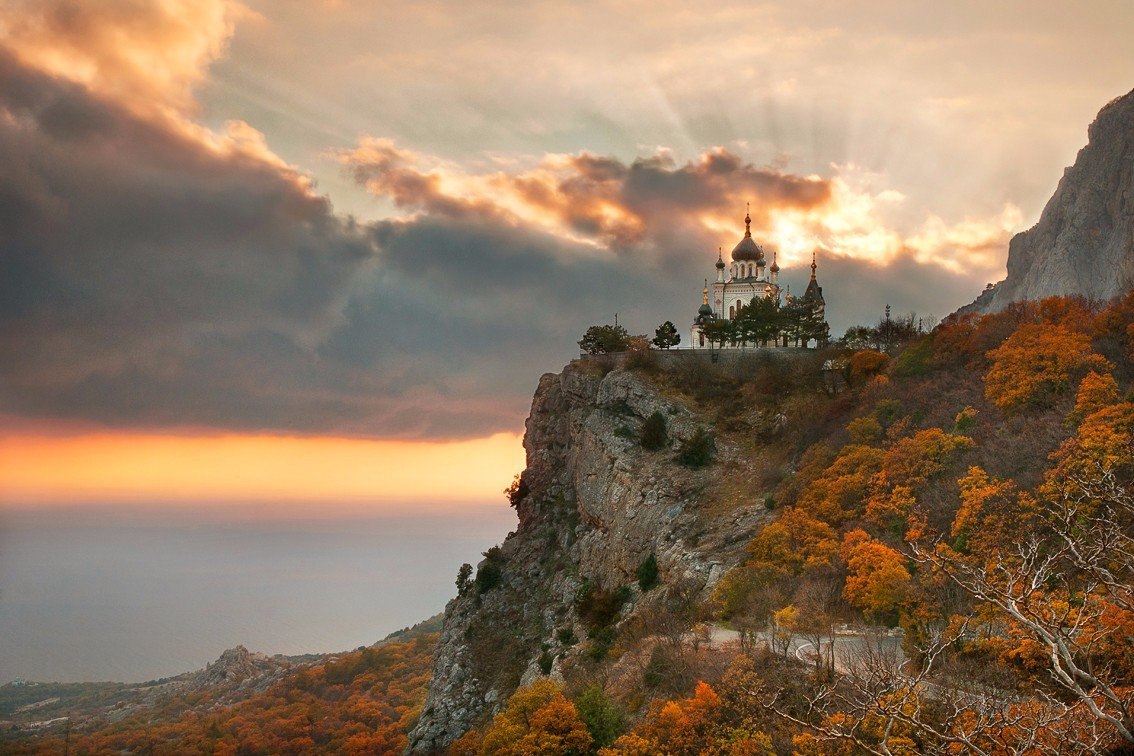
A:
648	572
604	339
602	716
759	321
666	336
464	579
717	332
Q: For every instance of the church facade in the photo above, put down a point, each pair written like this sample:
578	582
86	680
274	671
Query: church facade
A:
748	279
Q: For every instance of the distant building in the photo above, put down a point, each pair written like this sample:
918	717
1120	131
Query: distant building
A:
749	278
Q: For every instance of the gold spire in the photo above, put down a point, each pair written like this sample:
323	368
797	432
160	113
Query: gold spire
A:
705	293
747	221
813	266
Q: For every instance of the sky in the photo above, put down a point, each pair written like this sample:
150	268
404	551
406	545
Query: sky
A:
323	249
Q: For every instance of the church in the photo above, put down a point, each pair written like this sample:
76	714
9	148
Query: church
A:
747	281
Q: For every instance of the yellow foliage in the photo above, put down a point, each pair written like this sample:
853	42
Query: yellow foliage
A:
537	719
792	544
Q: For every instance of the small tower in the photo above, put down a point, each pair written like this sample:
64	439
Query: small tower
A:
705	315
720	265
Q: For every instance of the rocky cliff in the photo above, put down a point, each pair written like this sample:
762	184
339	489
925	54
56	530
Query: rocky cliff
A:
594	506
1084	241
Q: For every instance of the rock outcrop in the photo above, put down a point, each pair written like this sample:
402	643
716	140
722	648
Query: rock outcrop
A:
1084	241
596	506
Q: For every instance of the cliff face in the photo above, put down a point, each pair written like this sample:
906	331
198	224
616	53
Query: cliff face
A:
1084	241
598	504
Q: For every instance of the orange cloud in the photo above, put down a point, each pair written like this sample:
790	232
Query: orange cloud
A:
148	56
645	204
278	469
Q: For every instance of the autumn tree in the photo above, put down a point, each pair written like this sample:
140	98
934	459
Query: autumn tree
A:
1037	364
537	719
877	578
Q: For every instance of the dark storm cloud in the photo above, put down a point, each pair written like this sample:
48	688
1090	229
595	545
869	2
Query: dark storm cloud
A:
156	276
150	280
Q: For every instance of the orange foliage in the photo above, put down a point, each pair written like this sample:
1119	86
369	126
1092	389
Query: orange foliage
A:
362	703
877	579
1095	392
840	492
868	363
992	512
792	544
537	719
1036	364
680	727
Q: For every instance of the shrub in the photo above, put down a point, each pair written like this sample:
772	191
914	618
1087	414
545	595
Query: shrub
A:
654	434
489	573
698	451
865	430
517	490
598	607
648	573
868	363
915	360
546	659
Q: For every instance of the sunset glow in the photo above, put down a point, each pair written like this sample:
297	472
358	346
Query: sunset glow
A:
143	468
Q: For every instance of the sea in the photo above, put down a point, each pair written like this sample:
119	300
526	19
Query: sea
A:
143	591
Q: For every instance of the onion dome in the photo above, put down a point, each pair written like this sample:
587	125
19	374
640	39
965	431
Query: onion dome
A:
747	250
775	265
720	261
705	311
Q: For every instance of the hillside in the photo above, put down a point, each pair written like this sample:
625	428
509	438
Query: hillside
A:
922	548
1083	243
359	701
871	494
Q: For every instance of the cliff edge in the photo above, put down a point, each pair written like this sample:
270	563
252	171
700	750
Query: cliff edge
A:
1083	243
594	505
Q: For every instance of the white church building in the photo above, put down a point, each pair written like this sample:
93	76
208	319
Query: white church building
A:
746	277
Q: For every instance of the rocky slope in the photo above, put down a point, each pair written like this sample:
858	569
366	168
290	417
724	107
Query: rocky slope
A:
597	505
1084	241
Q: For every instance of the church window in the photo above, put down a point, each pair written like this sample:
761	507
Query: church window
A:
732	312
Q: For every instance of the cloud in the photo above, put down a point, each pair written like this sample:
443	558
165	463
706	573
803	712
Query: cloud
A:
147	56
656	208
149	279
156	273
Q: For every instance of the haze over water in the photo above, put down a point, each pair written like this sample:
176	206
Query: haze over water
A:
134	593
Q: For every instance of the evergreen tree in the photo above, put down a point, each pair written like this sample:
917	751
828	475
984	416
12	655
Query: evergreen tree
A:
666	336
605	339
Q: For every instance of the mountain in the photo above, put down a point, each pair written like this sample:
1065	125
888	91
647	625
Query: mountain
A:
1083	243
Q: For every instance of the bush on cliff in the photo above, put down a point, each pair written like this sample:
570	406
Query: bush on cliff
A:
697	451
